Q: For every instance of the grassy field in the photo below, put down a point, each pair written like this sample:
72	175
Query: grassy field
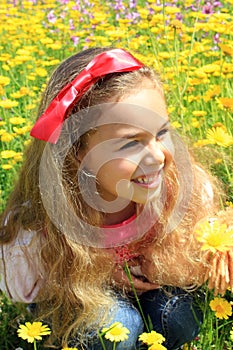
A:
190	43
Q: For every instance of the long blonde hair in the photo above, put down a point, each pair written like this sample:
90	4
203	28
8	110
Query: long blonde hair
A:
78	284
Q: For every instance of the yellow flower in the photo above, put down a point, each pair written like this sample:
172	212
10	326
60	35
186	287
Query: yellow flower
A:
6	166
226	102
176	124
201	143
8	154
199	113
215	236
41	72
116	332
8	103
16	120
151	338
33	331
69	349
6	137
4	80
157	347
215	91
217	136
221	307
226	49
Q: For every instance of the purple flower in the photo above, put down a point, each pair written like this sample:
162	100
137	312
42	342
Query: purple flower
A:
51	17
71	23
208	8
216	38
75	40
179	16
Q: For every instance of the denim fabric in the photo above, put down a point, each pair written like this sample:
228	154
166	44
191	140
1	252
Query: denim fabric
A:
129	316
175	314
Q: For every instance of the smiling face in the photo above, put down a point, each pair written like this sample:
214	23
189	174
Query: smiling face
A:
132	148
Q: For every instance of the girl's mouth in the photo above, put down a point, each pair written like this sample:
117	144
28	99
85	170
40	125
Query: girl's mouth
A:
148	181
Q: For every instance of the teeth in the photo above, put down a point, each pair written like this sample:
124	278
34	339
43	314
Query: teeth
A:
145	180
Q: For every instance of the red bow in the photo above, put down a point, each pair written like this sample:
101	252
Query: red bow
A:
48	126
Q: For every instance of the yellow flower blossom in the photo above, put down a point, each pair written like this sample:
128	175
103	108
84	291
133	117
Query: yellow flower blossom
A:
218	136
33	331
8	154
7	103
17	120
176	124
199	113
151	338
214	236
41	72
221	307
6	137
6	166
157	347
201	143
226	102
116	332
228	50
4	80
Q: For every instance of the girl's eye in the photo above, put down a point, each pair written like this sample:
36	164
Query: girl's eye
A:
129	144
162	133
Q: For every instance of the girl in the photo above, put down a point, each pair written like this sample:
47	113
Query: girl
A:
107	190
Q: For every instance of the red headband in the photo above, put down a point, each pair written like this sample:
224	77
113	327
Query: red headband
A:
48	126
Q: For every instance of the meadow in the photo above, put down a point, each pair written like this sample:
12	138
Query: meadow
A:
189	42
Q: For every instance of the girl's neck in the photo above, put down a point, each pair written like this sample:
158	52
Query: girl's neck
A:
120	216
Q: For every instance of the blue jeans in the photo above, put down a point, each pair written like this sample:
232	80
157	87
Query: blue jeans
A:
175	314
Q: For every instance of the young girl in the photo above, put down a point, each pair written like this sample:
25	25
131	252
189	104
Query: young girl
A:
106	203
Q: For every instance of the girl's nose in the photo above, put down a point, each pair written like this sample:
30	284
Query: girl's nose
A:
154	154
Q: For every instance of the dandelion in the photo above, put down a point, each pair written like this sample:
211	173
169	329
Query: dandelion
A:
33	331
226	102
41	72
157	347
6	166
4	80
8	154
17	120
6	137
7	103
215	236
199	113
116	332
221	307
219	137
151	338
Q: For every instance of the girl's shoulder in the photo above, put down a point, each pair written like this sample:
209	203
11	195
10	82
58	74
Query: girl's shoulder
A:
20	268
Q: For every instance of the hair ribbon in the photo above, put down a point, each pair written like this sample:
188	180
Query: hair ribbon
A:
48	126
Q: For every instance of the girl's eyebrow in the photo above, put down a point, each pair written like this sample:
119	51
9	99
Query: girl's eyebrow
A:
137	134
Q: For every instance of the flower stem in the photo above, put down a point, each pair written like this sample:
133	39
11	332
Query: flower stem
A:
35	344
128	273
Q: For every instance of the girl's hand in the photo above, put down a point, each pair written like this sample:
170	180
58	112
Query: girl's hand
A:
220	273
121	280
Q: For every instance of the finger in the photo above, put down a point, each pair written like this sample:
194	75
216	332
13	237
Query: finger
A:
230	268
143	285
212	272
